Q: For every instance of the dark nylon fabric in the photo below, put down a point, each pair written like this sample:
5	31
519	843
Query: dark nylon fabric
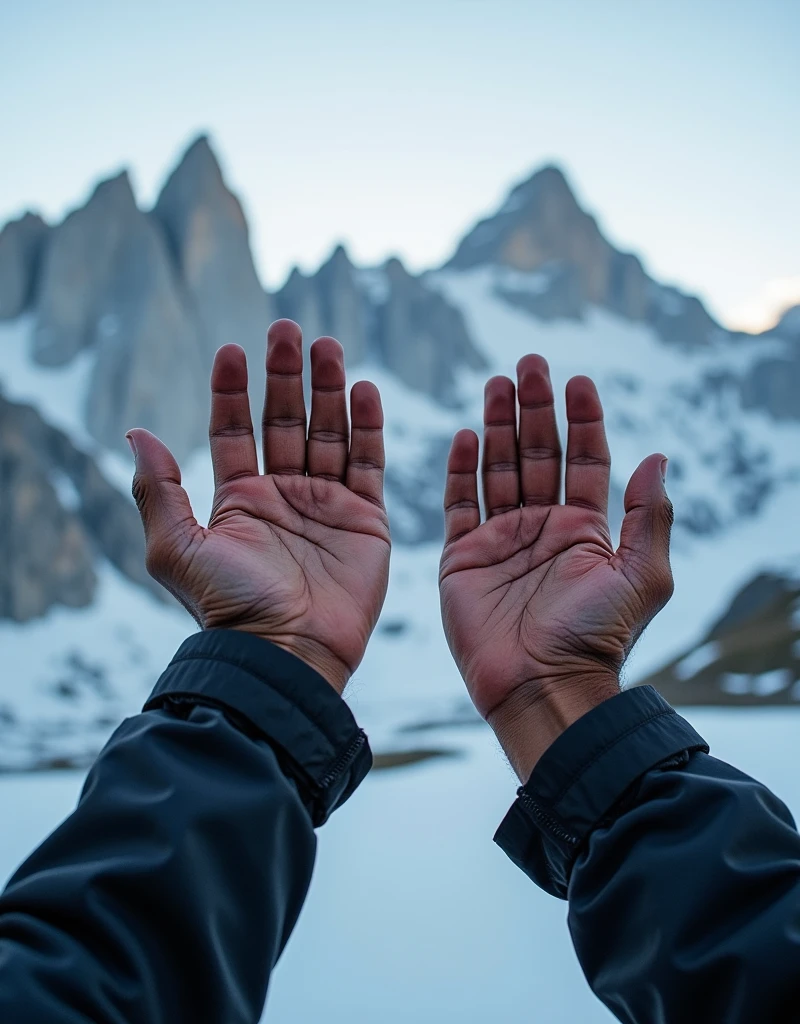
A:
169	893
682	873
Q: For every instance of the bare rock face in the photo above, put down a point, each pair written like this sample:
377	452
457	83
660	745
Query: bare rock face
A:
541	230
773	383
750	656
107	283
209	242
151	368
420	337
57	513
21	243
78	262
330	302
386	315
45	554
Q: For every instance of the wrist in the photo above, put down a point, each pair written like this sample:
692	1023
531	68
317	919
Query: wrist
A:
535	714
332	669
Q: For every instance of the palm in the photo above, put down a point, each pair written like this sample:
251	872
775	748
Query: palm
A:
537	594
300	554
532	589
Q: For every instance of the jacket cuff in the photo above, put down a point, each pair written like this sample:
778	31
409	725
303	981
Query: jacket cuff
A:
268	691
583	774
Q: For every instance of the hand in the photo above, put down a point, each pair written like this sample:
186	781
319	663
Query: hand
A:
539	610
300	554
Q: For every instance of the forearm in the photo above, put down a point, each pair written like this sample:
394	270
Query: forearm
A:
170	892
698	886
682	874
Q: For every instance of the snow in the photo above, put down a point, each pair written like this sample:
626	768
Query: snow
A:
57	393
414	914
70	677
764	684
695	662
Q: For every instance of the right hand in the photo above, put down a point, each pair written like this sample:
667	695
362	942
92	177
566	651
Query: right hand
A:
298	555
539	610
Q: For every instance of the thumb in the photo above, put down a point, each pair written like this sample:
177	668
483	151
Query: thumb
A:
163	504
644	538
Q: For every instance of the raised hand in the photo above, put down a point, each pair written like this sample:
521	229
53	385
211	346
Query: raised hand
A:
300	554
539	610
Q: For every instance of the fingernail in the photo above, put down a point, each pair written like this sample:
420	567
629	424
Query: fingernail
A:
131	443
664	464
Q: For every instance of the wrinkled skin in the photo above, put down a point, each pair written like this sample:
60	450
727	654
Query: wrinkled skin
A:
536	603
298	555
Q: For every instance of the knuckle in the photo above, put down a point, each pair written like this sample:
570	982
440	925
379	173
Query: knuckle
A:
540	453
139	490
668	512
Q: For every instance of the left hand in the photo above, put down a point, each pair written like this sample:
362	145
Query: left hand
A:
298	555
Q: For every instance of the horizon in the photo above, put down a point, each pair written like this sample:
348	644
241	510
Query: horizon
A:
327	135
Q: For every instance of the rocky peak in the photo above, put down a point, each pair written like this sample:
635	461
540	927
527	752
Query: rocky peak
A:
552	260
77	265
209	240
332	301
384	314
420	336
540	223
788	326
21	244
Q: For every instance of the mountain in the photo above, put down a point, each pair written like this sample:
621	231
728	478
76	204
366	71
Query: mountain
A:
569	265
751	655
387	316
110	318
21	244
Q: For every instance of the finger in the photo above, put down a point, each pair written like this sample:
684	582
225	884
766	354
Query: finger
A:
366	461
284	421
328	431
461	510
646	529
588	459
500	461
163	504
539	443
230	433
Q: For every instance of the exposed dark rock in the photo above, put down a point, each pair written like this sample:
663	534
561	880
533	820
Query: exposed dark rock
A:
78	262
788	327
330	302
45	555
773	384
404	325
151	368
209	241
541	227
21	244
750	656
421	338
47	543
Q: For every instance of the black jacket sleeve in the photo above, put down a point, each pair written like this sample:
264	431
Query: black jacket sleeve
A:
169	893
682	874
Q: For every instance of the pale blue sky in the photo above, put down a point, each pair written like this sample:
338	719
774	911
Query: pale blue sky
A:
393	126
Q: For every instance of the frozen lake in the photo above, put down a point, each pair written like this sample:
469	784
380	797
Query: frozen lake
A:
414	914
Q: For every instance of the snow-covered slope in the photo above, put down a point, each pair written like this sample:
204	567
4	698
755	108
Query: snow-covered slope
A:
68	677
